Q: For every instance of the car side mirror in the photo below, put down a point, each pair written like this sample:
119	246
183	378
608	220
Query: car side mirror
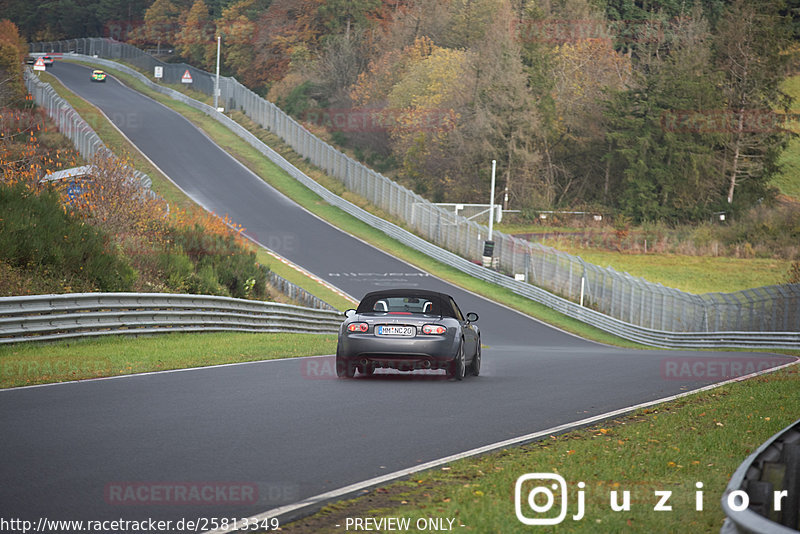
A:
349	313
472	317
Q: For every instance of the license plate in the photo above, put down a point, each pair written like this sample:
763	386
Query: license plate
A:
408	331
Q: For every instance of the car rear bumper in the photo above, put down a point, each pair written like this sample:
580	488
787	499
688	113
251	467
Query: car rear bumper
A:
420	352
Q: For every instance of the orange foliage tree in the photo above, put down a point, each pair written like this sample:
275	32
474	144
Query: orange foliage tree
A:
196	40
12	54
23	158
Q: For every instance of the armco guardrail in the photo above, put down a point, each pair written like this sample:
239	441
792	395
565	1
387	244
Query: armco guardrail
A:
297	293
753	501
47	317
628	298
626	330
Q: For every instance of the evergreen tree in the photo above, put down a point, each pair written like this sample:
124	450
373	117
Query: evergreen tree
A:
668	168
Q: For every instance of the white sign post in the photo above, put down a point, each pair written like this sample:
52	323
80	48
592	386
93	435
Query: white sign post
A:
187	77
158	72
39	64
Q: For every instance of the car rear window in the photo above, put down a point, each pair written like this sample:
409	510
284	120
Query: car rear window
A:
423	304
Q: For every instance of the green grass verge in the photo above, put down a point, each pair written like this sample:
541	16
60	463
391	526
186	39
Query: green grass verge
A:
24	364
118	144
695	274
699	438
788	180
275	176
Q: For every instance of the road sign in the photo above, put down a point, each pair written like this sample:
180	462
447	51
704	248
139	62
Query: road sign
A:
39	64
158	71
187	77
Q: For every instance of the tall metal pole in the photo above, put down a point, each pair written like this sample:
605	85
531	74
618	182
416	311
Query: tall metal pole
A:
491	202
216	81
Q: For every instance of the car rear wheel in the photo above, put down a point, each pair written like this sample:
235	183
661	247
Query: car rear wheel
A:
476	361
344	368
457	368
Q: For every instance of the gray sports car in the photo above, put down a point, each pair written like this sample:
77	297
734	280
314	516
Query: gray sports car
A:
408	329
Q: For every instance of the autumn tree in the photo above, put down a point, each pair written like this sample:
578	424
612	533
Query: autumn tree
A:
470	21
421	111
259	41
500	120
412	20
161	22
341	60
339	16
12	54
583	73
196	40
750	50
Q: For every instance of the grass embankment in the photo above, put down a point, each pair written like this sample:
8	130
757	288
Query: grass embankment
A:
700	272
669	447
275	176
120	146
695	274
25	364
788	180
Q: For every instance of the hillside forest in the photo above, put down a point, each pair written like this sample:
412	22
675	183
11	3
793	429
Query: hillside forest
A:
652	110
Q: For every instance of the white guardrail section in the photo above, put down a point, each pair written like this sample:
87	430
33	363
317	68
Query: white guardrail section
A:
626	330
48	317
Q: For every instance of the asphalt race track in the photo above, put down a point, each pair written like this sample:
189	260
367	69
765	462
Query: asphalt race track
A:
273	433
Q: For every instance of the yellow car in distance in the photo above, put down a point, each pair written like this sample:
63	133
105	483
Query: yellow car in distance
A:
98	76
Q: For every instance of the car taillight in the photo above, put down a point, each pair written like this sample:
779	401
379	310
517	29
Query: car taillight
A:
358	327
433	329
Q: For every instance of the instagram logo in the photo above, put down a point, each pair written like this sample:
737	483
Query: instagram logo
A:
540	498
